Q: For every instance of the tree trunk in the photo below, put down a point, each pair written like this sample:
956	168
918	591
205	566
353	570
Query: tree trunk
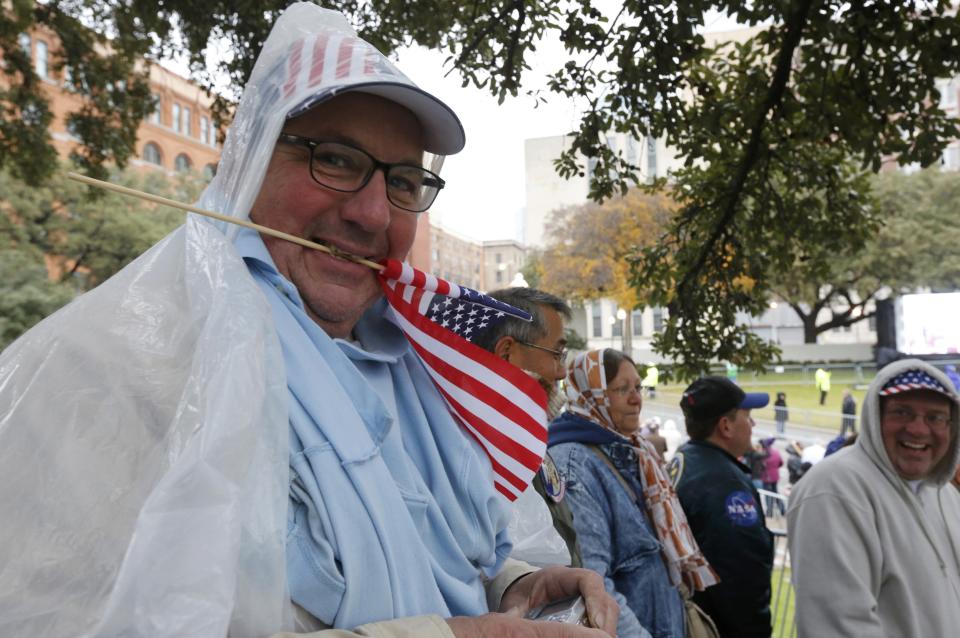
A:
810	328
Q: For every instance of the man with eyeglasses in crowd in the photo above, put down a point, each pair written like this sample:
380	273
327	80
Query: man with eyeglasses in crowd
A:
873	529
540	348
348	172
393	524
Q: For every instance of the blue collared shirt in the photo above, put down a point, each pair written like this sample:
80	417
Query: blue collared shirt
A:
392	510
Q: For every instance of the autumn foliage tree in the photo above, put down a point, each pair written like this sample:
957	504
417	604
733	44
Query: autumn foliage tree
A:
590	247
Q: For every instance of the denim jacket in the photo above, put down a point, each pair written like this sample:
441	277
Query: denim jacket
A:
615	537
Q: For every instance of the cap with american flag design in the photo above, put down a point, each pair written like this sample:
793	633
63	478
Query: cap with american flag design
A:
333	60
910	380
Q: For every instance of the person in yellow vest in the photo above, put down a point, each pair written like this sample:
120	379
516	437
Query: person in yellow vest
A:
822	378
650	380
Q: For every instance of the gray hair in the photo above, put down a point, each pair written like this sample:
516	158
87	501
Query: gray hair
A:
529	300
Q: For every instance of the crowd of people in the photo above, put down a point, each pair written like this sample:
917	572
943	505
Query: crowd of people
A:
234	436
873	540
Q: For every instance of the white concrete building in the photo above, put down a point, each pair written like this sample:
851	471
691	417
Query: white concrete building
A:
502	261
546	191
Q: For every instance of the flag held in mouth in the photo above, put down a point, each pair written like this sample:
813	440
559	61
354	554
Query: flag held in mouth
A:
497	403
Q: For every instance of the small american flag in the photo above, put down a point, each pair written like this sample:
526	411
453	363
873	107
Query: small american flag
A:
498	404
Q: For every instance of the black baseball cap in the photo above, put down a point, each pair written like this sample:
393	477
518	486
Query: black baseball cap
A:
710	398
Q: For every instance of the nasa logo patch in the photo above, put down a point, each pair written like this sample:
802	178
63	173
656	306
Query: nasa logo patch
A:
675	468
553	483
741	508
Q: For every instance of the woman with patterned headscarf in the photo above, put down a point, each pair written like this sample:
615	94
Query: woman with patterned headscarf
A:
629	523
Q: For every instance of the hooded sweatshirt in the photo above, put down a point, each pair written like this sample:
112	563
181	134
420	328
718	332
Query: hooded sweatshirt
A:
873	554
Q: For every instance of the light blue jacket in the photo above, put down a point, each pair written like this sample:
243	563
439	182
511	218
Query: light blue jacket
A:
392	510
613	532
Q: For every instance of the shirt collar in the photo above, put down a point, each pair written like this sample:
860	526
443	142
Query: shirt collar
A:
713	446
376	338
250	246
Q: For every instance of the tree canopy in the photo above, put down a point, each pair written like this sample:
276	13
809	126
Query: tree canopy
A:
910	251
56	242
775	131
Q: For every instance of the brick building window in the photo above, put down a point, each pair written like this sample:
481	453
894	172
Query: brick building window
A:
187	129
204	130
155	116
151	154
658	319
40	62
182	163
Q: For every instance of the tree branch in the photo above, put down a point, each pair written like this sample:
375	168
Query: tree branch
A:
795	27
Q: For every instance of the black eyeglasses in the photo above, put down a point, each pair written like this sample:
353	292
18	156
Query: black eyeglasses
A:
934	420
559	355
624	390
348	169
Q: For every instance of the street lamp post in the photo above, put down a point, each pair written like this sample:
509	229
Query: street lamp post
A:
622	316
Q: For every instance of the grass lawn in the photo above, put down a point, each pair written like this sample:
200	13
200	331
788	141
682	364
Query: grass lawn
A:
781	603
803	399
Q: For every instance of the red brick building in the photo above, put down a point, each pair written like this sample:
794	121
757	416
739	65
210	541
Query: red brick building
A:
179	135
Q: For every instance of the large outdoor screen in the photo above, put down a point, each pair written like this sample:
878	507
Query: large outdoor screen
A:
929	323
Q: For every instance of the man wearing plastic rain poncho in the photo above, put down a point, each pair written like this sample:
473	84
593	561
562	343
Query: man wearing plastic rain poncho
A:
146	477
873	529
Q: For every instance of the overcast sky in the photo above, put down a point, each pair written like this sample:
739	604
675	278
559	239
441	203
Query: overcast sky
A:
484	196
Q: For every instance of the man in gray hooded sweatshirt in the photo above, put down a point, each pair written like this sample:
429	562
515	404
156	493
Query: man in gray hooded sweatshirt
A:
875	529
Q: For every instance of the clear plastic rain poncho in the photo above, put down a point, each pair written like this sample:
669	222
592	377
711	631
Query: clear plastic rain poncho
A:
143	428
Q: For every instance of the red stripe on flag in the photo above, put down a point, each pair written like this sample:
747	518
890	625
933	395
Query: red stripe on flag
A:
497	468
443	286
523	455
415	300
509	495
482	391
419	278
319	53
344	57
392	269
293	68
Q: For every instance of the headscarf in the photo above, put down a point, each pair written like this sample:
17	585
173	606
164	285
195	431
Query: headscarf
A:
586	387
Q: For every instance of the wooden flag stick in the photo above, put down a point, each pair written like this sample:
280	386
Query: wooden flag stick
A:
156	199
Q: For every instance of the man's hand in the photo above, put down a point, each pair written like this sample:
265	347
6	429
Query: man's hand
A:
558	583
509	626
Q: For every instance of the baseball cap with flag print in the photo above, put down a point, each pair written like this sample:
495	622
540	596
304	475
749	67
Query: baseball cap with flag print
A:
334	61
910	380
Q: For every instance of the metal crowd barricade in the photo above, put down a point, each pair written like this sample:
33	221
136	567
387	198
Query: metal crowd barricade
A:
781	587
